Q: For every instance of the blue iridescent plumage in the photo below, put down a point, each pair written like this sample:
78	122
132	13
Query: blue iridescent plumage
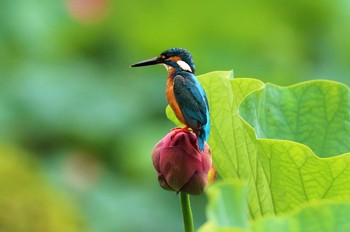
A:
193	104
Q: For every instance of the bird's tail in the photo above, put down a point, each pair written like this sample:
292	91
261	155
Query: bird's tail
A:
202	136
200	143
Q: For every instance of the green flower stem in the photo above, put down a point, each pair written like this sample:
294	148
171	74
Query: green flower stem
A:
186	212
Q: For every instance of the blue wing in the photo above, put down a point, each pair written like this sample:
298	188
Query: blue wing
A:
193	104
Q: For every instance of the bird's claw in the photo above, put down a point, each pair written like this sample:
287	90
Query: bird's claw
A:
178	130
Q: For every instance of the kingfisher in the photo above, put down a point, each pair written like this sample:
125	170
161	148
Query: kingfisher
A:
184	93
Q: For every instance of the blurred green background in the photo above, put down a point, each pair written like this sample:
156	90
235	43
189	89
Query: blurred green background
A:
77	125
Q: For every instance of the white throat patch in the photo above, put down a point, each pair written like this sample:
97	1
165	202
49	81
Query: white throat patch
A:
183	65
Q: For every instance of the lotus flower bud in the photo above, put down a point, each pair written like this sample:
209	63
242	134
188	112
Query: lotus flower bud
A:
180	165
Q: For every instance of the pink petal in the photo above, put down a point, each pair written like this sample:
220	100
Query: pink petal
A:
177	166
156	154
196	184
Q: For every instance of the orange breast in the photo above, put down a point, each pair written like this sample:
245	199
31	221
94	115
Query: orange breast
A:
172	101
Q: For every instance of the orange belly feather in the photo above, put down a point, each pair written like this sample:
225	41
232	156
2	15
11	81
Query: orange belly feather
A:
172	101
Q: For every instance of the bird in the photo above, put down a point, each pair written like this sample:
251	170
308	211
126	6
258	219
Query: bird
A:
184	93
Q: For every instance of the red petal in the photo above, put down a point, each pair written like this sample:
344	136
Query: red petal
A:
206	159
196	184
163	183
156	153
178	166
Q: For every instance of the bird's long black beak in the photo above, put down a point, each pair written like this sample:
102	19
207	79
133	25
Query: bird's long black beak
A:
152	61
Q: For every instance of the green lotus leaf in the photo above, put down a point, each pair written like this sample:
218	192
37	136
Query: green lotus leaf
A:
314	113
226	206
287	144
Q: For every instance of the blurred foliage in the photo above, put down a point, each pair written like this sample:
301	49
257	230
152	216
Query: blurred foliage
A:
29	205
68	96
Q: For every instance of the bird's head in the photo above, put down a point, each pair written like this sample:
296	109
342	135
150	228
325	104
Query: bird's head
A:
177	58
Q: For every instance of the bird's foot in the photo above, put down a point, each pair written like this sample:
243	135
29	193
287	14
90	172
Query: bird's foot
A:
179	129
